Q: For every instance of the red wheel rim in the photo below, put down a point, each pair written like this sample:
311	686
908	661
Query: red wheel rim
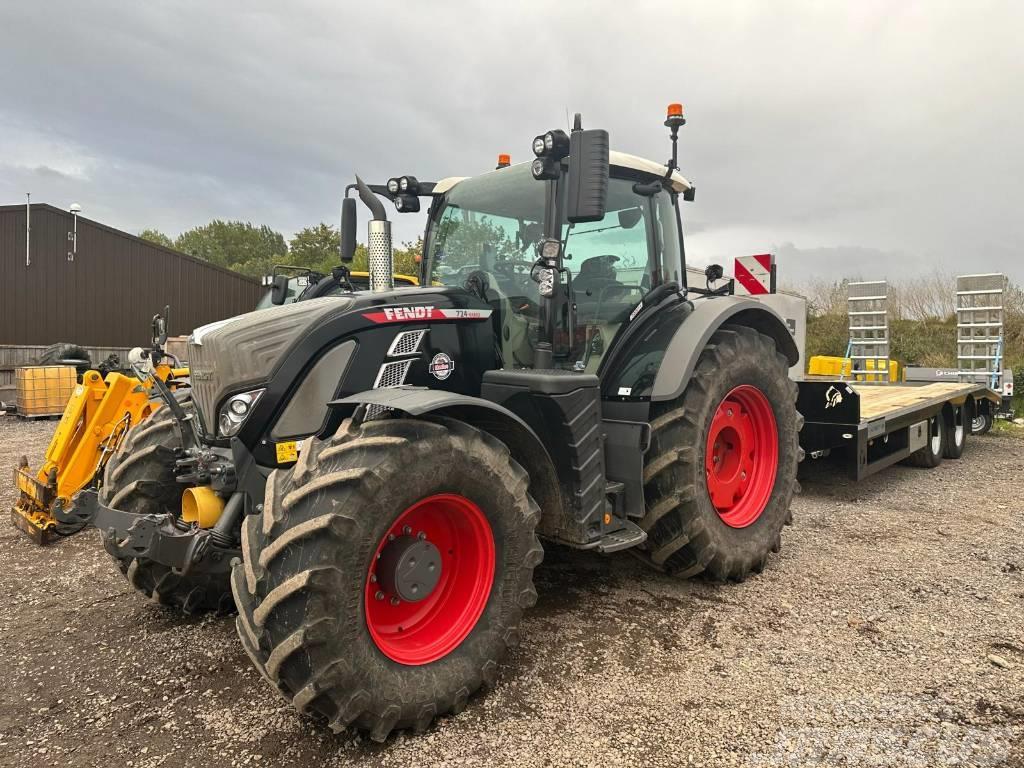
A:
420	632
742	456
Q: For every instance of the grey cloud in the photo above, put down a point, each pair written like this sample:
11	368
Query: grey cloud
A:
882	126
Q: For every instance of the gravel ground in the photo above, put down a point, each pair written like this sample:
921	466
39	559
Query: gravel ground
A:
888	632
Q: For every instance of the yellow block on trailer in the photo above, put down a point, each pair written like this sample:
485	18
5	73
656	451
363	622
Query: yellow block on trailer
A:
825	365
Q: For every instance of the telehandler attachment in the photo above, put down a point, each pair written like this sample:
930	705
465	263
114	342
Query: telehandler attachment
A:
95	421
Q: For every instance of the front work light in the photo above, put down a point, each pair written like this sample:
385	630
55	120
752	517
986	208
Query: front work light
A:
407	203
393	186
556	144
408	184
546	281
544	168
538	146
549	250
235	411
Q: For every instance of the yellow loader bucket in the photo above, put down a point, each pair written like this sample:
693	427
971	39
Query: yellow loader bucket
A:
95	420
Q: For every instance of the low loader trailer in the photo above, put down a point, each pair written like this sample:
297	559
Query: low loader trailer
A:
876	424
858	415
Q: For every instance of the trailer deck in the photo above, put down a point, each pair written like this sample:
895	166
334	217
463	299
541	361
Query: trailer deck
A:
877	424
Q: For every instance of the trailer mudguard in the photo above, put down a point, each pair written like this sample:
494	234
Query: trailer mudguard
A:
523	443
692	335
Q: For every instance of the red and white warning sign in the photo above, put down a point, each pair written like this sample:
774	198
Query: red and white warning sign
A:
754	273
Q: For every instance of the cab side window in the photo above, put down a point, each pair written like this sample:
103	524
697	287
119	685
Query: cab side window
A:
610	259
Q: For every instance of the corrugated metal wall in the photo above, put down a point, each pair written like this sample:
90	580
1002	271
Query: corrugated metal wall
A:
108	295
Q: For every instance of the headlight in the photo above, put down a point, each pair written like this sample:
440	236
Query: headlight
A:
408	184
235	411
393	186
538	146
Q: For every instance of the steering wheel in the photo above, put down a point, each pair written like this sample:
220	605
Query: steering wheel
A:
478	283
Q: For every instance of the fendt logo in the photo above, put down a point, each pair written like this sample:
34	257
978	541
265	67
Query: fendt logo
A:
409	313
424	312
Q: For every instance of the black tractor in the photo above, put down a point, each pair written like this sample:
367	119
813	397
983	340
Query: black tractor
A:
368	477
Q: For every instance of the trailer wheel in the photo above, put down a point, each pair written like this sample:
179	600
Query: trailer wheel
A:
386	577
981	423
931	455
721	471
956	432
139	478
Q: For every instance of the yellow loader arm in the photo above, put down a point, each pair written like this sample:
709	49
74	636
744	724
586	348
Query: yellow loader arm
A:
96	418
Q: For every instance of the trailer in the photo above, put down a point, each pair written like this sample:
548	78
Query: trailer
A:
876	424
866	418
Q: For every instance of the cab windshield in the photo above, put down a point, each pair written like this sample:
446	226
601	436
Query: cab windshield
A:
484	235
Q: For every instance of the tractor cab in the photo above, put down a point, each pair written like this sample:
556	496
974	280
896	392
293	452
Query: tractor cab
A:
483	235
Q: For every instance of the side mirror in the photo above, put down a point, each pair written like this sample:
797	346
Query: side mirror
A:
160	328
279	290
348	229
630	217
588	175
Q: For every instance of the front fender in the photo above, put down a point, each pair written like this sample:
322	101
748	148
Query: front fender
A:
523	443
695	332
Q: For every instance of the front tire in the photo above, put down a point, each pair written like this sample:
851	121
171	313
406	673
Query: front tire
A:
326	611
721	471
140	478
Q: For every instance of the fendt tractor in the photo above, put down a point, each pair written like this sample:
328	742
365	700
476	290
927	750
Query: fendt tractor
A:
367	478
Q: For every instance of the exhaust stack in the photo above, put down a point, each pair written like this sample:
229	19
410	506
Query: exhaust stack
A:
378	242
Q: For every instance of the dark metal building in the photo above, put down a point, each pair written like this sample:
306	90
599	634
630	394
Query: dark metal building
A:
106	294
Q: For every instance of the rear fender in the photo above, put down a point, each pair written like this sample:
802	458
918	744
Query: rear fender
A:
523	443
686	344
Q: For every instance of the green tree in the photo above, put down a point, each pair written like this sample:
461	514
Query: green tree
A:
240	246
406	262
315	247
156	236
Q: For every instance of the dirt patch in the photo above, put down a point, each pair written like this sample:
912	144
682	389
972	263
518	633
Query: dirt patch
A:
868	640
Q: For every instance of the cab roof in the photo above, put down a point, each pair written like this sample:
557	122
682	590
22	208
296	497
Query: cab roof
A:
615	159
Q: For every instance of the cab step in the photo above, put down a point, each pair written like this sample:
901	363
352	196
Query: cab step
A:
630	535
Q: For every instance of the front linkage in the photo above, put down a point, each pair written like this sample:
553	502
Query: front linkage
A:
180	543
163	539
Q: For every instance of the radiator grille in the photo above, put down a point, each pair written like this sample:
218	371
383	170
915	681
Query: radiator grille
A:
406	343
392	374
205	385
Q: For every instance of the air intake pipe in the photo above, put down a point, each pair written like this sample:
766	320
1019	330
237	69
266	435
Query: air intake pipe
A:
378	241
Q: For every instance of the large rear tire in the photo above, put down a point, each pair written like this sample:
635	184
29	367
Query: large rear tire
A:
139	478
324	610
721	471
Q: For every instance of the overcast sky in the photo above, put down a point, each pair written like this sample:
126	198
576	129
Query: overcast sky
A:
892	131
